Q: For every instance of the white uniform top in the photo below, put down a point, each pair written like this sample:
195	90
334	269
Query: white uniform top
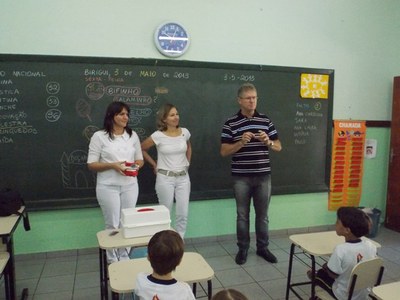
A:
342	261
171	151
121	148
150	288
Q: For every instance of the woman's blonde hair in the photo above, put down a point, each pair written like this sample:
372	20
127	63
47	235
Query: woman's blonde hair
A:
162	114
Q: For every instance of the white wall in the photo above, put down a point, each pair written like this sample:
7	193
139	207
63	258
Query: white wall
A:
359	39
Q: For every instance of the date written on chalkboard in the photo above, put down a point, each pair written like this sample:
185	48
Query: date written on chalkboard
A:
239	77
176	75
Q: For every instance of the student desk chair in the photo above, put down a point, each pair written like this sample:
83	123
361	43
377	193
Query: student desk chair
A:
192	269
112	239
387	291
8	225
4	257
365	275
312	245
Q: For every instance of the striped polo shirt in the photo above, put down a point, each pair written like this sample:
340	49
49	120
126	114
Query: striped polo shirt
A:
253	158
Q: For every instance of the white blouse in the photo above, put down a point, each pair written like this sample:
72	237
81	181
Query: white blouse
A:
171	151
121	148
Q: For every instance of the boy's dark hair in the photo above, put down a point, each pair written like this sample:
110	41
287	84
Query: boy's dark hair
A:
165	251
355	219
229	294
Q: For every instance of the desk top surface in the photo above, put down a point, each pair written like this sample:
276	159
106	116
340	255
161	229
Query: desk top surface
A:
320	243
8	224
108	240
193	268
387	291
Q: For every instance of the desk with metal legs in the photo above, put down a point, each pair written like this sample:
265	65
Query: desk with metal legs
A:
108	240
192	269
8	225
312	245
387	291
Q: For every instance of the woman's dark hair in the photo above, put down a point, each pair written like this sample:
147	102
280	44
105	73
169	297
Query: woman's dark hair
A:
165	251
162	114
355	219
114	108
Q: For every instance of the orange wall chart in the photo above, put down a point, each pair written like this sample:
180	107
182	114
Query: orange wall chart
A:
347	163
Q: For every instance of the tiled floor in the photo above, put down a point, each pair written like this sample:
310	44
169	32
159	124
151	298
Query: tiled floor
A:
75	274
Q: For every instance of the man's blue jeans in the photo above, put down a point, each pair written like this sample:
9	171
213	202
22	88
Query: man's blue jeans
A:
258	188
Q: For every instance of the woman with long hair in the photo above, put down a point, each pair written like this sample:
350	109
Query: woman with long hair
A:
110	150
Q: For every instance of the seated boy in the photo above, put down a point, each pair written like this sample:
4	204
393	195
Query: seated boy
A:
352	223
165	252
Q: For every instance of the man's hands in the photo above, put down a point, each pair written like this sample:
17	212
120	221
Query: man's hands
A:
261	136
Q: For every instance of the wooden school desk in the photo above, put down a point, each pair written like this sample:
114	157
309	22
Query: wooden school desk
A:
108	240
387	291
8	225
192	269
312	245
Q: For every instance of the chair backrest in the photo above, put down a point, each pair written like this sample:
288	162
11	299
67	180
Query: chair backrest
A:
367	273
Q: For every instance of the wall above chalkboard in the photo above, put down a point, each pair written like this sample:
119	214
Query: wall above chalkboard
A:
51	105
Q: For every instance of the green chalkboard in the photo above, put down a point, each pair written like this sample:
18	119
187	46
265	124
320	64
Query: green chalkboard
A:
51	105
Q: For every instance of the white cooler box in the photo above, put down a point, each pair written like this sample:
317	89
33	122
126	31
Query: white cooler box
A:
144	221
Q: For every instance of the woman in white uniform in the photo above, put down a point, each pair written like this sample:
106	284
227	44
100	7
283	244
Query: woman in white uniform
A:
109	150
174	152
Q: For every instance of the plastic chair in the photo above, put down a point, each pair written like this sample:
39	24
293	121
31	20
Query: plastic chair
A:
366	274
4	257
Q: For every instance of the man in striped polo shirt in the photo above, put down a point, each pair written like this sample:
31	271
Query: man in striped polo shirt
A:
248	136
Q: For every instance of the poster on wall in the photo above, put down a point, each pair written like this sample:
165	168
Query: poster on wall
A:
347	163
314	86
370	148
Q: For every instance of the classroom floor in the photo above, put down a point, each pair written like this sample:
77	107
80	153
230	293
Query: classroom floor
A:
75	274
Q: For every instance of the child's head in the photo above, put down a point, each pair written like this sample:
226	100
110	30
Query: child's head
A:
165	251
229	294
353	219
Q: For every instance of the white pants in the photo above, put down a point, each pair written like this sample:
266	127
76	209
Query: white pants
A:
168	188
112	199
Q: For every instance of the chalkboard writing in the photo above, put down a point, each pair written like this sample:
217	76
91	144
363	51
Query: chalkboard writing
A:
50	106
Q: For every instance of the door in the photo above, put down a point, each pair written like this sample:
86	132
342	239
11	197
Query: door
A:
392	219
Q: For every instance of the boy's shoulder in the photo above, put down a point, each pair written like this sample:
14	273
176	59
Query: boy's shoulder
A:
147	287
363	244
